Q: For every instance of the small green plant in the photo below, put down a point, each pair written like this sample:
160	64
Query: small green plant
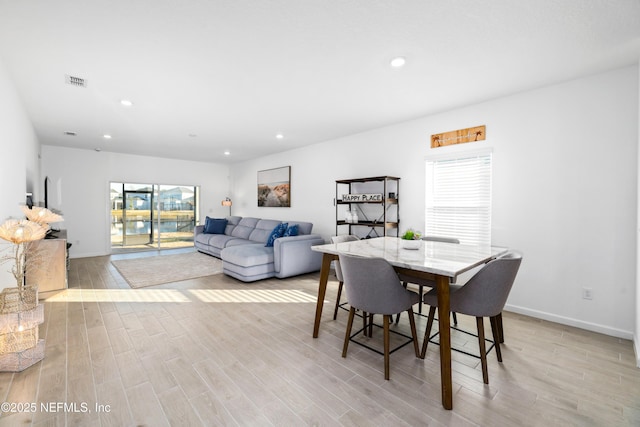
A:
411	234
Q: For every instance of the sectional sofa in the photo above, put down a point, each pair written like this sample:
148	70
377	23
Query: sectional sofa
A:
242	245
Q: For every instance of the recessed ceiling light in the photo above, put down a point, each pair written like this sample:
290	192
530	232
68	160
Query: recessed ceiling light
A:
98	149
226	153
280	136
106	136
398	62
126	102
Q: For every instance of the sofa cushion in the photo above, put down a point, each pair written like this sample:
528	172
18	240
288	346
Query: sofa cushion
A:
244	228
219	241
202	238
303	227
215	225
234	241
247	255
263	229
232	221
276	233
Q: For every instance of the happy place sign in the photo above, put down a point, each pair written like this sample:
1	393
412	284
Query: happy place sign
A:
360	198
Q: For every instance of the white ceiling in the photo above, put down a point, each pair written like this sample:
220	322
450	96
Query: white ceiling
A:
207	76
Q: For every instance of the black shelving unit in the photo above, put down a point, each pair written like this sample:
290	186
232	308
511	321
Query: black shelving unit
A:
378	215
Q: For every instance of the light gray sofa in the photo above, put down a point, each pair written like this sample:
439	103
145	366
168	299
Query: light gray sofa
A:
244	254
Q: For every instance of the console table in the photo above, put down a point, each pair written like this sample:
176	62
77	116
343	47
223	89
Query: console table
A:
50	273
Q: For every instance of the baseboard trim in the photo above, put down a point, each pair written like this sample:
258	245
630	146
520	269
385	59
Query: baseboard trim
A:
87	255
594	327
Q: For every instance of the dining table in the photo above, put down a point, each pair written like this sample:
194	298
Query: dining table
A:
432	260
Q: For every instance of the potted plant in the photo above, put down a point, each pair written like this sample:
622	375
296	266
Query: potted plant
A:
411	239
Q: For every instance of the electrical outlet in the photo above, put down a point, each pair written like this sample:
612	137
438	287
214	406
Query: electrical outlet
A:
587	293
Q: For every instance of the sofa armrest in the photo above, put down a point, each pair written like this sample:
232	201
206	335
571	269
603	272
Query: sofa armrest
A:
198	229
293	255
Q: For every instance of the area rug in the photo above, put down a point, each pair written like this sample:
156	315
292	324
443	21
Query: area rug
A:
155	270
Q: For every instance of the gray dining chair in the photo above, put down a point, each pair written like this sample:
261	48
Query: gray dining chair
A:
484	295
421	283
336	265
372	285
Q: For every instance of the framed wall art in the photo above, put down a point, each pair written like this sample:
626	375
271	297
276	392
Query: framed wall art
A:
274	187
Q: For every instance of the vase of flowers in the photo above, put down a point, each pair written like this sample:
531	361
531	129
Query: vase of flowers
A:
411	239
20	312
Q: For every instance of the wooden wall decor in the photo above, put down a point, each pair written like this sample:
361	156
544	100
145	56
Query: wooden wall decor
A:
460	136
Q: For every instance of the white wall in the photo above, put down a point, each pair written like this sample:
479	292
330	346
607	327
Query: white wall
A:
564	191
19	170
79	187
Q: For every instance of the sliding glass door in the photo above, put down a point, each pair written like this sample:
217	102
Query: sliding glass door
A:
150	216
175	211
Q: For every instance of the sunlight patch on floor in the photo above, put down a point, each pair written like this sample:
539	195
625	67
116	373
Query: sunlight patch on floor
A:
174	295
119	295
253	295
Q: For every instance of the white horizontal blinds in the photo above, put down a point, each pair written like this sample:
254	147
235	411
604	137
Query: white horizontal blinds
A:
458	198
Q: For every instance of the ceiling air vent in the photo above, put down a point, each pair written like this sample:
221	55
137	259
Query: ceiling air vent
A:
75	81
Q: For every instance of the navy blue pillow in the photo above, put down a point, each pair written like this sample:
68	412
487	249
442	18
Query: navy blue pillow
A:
291	231
215	225
276	233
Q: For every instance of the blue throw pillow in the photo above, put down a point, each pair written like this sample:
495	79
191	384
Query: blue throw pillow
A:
291	231
276	233
215	225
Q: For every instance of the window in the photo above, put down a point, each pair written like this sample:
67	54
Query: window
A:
458	197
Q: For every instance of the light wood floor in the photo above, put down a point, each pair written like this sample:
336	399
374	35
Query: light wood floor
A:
214	351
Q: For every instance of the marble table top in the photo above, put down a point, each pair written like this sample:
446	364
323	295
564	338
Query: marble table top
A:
445	259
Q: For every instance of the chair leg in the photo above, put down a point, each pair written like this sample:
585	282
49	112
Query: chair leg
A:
455	318
398	314
352	313
500	329
483	350
367	324
385	321
414	333
496	336
370	325
427	332
335	310
364	322
420	290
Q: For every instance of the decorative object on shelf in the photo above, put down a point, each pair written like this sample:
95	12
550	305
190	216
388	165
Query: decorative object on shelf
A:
274	187
227	202
361	198
411	239
20	312
351	217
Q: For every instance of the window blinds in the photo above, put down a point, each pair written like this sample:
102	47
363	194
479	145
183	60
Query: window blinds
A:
458	197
